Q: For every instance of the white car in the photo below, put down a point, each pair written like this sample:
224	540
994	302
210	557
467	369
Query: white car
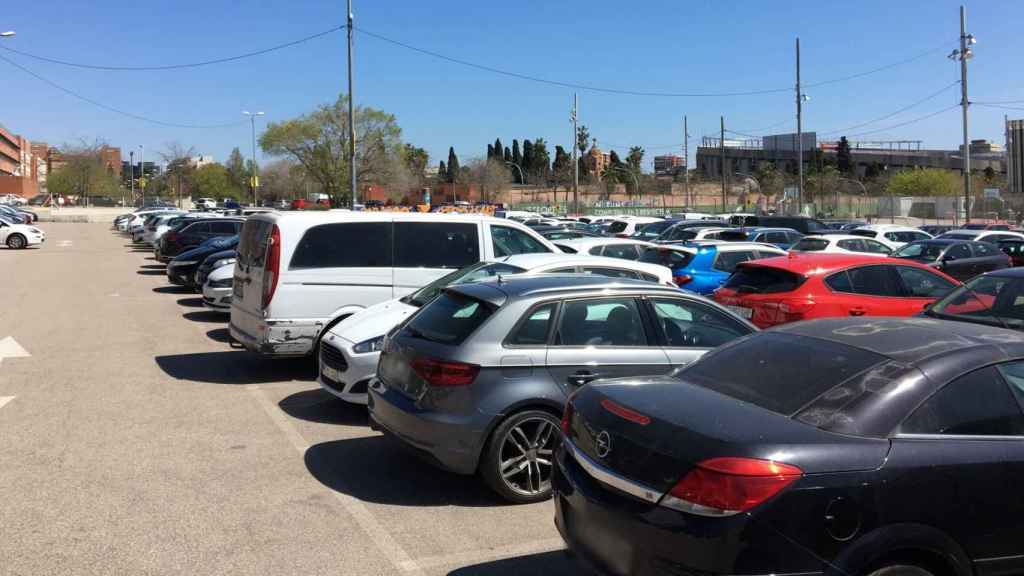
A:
841	244
349	351
205	203
217	288
623	227
892	235
993	236
137	218
610	247
13	200
16	235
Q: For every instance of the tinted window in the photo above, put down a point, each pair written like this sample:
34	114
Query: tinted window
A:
779	372
959	236
508	241
763	280
345	245
596	250
923	284
961	251
876	247
533	328
852	245
669	258
993	300
864	233
623	251
617	226
224	227
727	261
689	325
610	272
812	245
920	251
435	244
449	319
982	249
1012	248
775	238
875	281
652	230
602	322
197	228
976	404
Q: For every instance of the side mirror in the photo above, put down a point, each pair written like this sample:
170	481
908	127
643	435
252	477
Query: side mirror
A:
948	258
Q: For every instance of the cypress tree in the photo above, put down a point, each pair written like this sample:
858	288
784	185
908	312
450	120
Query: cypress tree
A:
498	148
442	172
508	155
453	165
490	151
528	159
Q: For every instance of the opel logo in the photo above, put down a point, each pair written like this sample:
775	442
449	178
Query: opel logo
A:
604	444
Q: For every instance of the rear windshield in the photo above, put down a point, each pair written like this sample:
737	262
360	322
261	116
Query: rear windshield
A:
763	280
864	233
779	372
811	245
669	258
959	236
653	230
617	226
922	252
252	245
732	235
449	319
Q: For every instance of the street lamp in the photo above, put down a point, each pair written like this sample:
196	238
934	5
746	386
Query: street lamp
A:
254	182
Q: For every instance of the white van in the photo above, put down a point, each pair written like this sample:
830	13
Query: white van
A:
299	273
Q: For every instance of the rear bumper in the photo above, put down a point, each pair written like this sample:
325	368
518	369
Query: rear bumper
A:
274	338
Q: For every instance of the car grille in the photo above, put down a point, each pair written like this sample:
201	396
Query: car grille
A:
331	356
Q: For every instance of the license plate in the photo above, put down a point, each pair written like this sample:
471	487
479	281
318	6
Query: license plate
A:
331	374
238	290
741	311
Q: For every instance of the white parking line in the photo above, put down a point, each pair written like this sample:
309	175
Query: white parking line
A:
5	399
9	348
391	549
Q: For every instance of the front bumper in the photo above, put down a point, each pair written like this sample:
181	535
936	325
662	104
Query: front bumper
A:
217	298
344	373
180	275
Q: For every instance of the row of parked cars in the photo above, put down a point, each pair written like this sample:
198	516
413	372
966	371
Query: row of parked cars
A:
674	432
17	227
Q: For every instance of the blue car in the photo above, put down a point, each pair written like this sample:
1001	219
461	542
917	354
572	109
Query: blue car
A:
702	267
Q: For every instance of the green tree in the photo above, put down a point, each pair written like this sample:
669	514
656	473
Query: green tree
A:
490	151
508	155
442	171
415	159
83	173
237	170
498	149
214	181
319	142
844	159
453	166
582	139
635	158
527	163
561	171
927	182
517	159
540	164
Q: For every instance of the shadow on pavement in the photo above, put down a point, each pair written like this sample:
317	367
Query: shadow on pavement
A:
151	272
171	290
153	266
234	367
191	302
205	316
222	335
556	563
376	469
318	405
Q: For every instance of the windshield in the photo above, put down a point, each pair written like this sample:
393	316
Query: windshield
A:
923	252
472	273
652	230
992	300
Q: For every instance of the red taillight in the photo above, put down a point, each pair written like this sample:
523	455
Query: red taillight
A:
171	236
625	413
682	279
728	486
443	374
567	416
271	266
796	306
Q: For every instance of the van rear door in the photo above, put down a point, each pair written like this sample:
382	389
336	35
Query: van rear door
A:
249	269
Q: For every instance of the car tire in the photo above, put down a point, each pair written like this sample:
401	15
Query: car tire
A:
901	570
16	241
519	456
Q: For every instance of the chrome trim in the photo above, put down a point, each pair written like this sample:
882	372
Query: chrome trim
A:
610	478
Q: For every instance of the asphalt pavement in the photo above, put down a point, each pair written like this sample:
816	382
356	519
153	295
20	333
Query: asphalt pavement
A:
134	439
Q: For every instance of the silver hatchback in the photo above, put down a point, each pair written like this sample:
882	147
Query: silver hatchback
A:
476	380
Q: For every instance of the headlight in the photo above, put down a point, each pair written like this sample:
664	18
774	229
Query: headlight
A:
371	345
223	262
225	283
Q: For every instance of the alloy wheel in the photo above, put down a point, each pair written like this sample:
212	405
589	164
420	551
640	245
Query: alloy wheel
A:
526	456
16	242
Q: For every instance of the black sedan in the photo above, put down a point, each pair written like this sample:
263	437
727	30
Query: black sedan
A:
194	231
852	446
961	259
212	262
182	268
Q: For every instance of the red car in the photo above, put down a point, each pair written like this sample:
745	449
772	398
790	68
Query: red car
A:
806	286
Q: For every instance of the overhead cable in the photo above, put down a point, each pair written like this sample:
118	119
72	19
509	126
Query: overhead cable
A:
908	122
891	114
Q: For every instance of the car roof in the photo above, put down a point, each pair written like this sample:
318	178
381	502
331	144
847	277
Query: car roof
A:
752	229
942	241
888	228
598	241
499	290
907	340
835	237
1015	272
817	263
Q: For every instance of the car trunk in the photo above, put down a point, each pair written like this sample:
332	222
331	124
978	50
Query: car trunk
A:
250	270
761	294
657	436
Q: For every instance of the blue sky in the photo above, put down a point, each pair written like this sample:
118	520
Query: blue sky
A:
654	46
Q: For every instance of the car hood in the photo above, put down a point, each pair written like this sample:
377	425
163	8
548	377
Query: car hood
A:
374	321
24	228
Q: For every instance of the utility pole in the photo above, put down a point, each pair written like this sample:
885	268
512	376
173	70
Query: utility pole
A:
799	135
131	178
351	113
575	161
142	172
964	54
686	162
721	149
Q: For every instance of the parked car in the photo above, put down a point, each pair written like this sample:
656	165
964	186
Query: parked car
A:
935	229
557	233
225	257
892	235
650	232
192	234
993	236
804	286
995	298
299	273
687	230
841	244
986	226
159	226
217	288
486	365
17	235
181	270
704	267
801	224
13	213
961	259
870	447
205	203
779	237
626	227
609	247
1014	249
350	350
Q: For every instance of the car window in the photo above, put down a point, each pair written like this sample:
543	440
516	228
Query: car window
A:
596	250
623	251
993	300
601	322
197	228
223	227
507	241
435	244
1012	248
867	280
852	245
670	258
923	284
763	280
533	328
345	245
864	233
472	273
976	404
727	261
811	245
690	325
569	270
775	238
610	272
448	319
617	226
961	251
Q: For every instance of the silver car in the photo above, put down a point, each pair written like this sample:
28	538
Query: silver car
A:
475	381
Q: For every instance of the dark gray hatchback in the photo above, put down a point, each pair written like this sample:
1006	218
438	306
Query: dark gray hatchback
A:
476	380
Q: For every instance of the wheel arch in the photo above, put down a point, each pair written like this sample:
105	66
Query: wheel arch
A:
548	405
903	543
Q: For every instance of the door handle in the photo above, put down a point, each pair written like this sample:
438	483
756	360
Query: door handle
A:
857	311
582	377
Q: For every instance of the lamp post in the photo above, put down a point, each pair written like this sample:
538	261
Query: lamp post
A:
254	179
522	178
131	175
142	173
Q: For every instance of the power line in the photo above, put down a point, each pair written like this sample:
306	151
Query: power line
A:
764	129
939	48
908	122
891	114
111	108
174	66
991	105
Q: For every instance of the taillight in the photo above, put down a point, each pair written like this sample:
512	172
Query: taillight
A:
682	279
171	236
271	266
444	374
625	413
796	306
728	486
567	416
